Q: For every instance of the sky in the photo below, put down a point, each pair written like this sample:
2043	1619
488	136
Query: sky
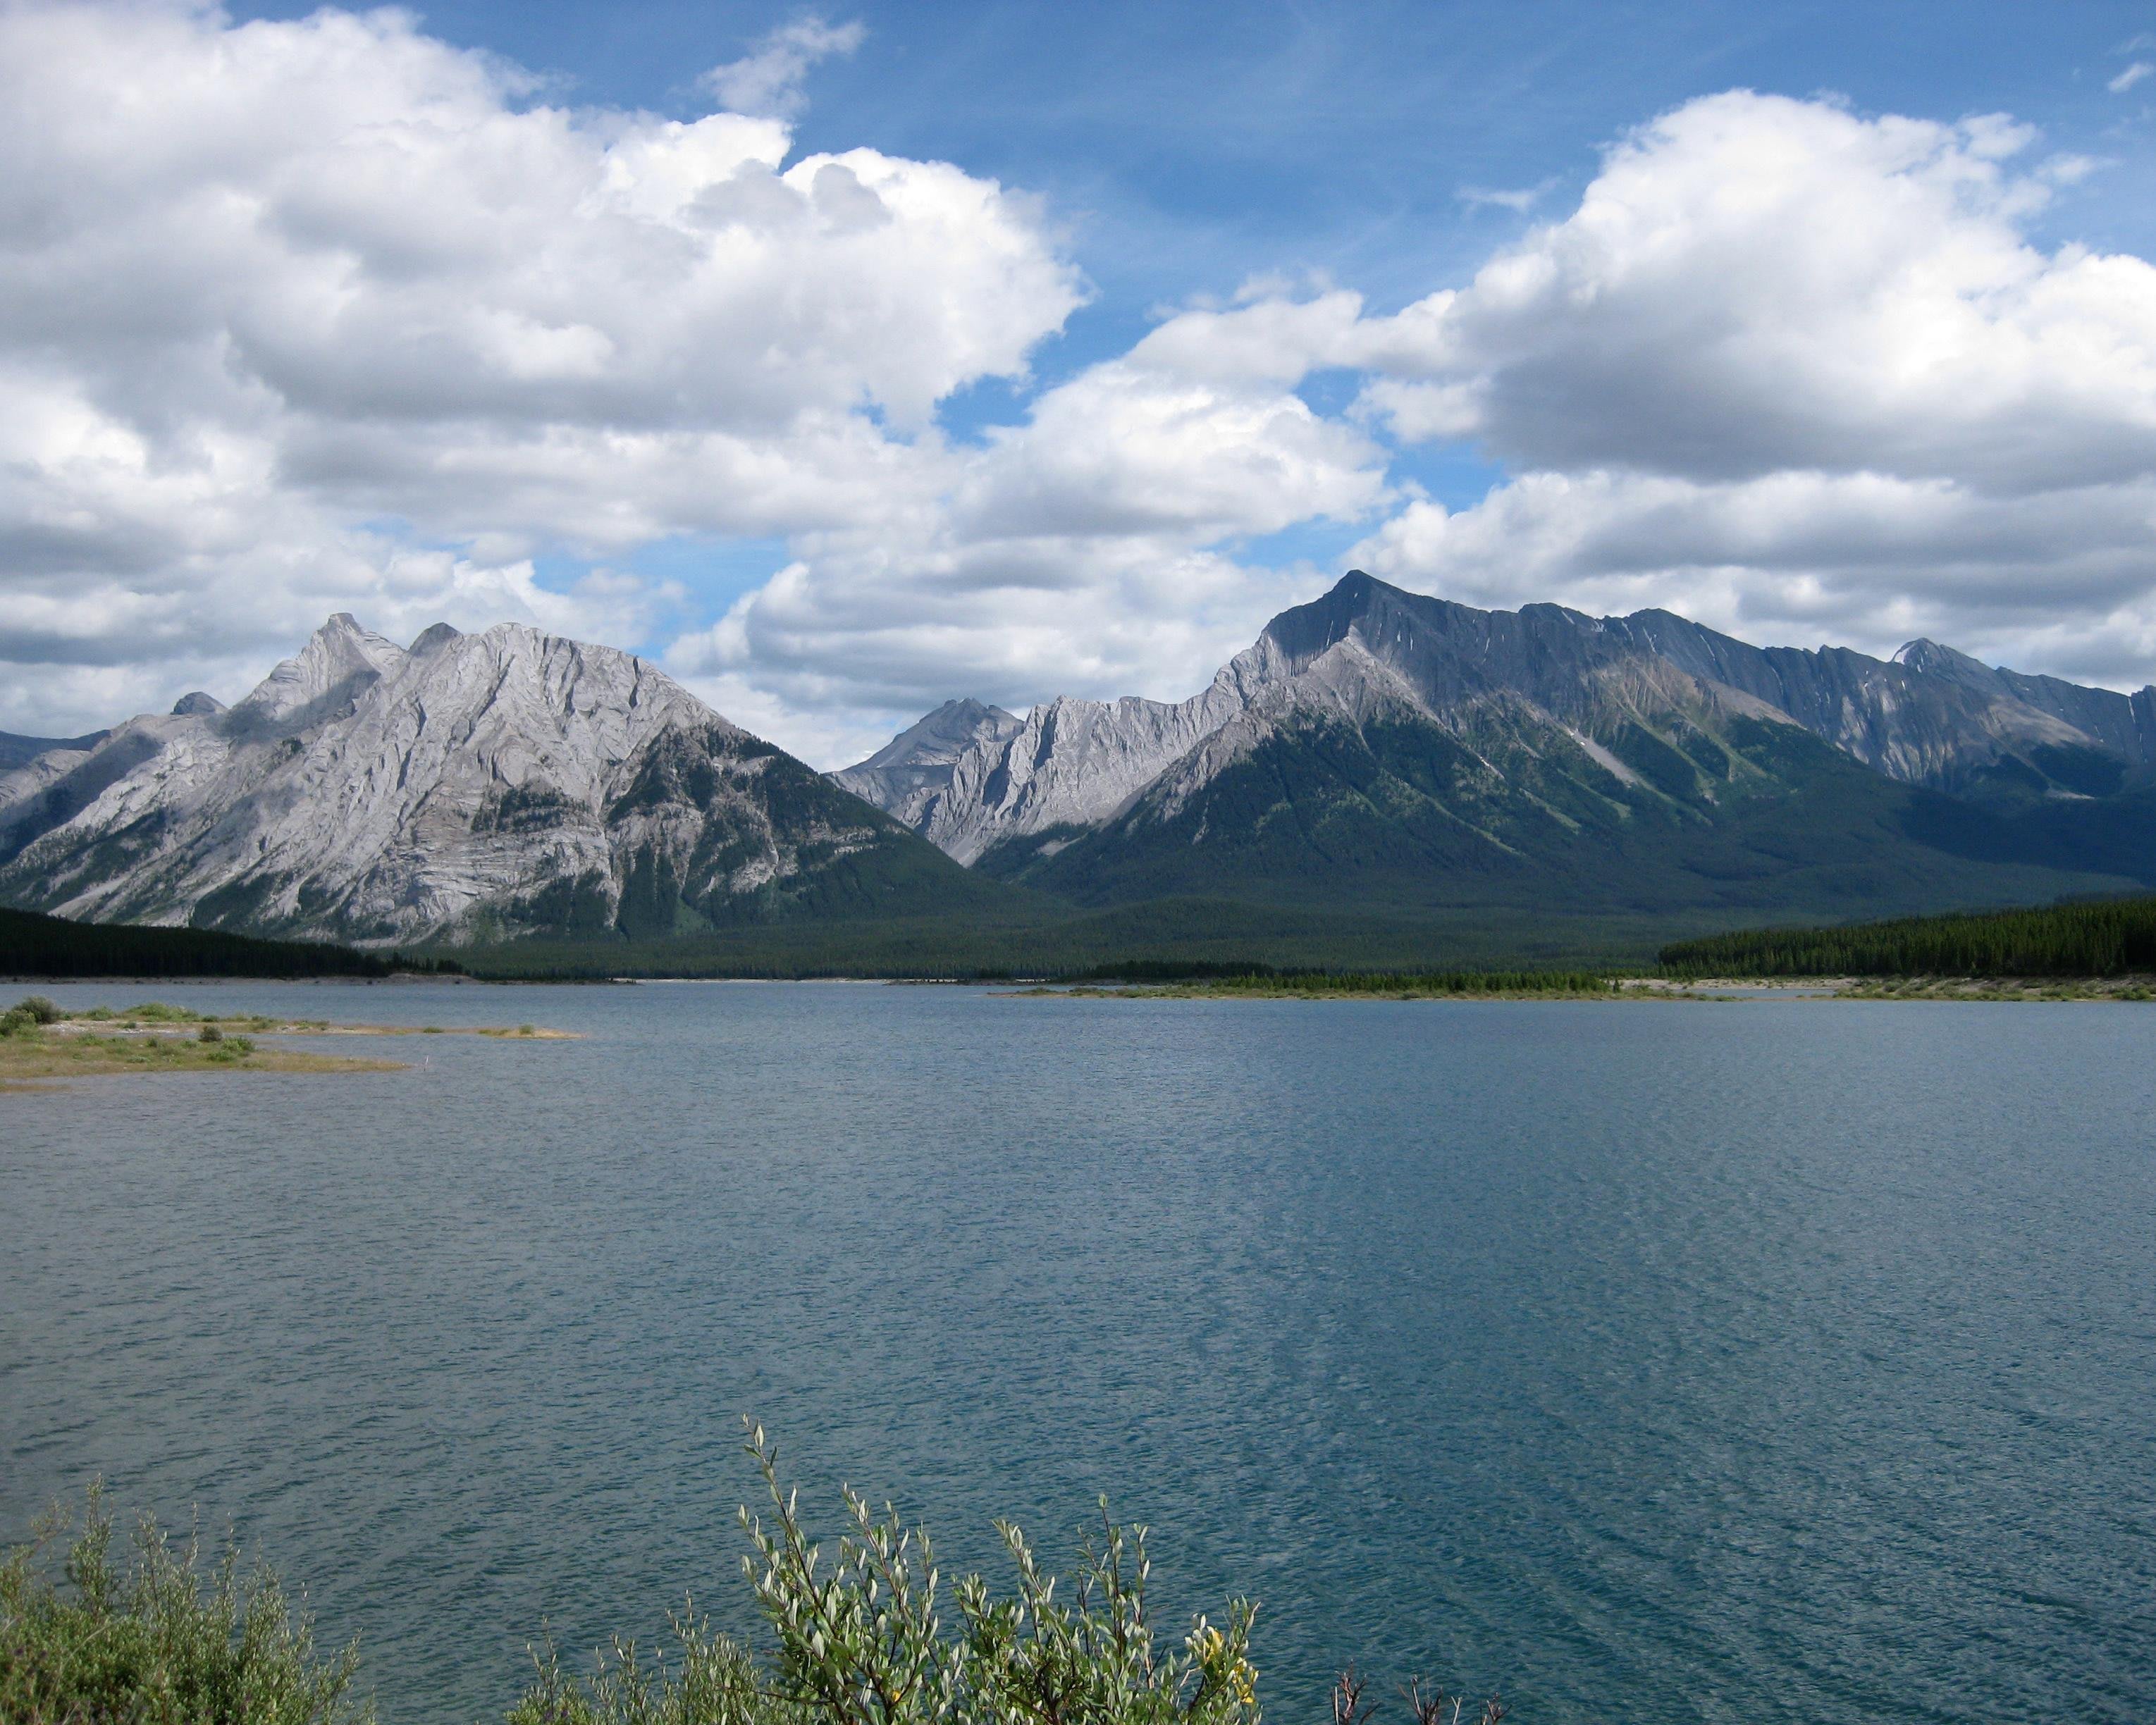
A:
846	361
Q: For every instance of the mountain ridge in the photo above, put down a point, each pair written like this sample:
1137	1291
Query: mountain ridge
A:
1930	715
1463	745
1372	750
471	786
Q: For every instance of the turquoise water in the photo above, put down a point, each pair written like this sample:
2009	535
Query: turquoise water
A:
1770	1361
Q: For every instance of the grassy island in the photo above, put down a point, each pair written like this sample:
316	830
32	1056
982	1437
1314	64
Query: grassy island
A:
38	1041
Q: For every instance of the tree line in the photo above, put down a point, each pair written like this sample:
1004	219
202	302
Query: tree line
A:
2112	938
35	945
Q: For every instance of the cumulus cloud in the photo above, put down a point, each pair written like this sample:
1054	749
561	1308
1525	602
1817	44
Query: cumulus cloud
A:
1753	285
324	314
2059	581
1796	372
327	315
1078	552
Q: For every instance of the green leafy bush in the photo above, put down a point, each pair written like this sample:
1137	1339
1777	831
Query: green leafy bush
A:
17	1022
40	1009
154	1641
864	1643
862	1640
712	1681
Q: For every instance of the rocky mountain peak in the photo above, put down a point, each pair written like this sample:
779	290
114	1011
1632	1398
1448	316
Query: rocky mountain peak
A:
487	784
1367	650
197	705
339	658
910	776
1928	658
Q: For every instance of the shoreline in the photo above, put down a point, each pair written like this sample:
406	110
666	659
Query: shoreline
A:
2131	990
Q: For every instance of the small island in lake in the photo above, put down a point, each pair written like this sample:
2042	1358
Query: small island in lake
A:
40	1041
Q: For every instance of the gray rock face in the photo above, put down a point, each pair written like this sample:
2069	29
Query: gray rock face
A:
1931	716
1071	763
909	776
478	785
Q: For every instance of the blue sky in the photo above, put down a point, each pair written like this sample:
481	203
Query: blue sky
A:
1189	147
1928	423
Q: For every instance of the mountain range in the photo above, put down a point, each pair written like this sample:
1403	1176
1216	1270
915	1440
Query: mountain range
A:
1395	748
1374	750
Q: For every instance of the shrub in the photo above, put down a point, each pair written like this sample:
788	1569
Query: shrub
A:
209	1033
154	1640
40	1009
863	1643
713	1682
859	1642
16	1022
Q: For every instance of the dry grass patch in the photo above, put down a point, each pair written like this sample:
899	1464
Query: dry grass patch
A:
40	1044
58	1054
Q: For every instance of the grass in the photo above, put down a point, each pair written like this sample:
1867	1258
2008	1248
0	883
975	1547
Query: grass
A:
865	1633
1999	988
27	1058
153	1013
1577	986
39	1044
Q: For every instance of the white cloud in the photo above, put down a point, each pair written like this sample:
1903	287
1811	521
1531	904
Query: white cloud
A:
327	315
1800	374
1078	552
768	80
1753	285
2060	580
287	304
2131	76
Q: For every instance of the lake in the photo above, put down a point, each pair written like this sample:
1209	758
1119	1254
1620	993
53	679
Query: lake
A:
1765	1361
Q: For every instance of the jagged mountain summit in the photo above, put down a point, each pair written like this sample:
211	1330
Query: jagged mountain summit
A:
910	776
1068	763
469	786
1378	743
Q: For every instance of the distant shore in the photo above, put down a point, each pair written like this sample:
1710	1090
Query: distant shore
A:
2026	990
